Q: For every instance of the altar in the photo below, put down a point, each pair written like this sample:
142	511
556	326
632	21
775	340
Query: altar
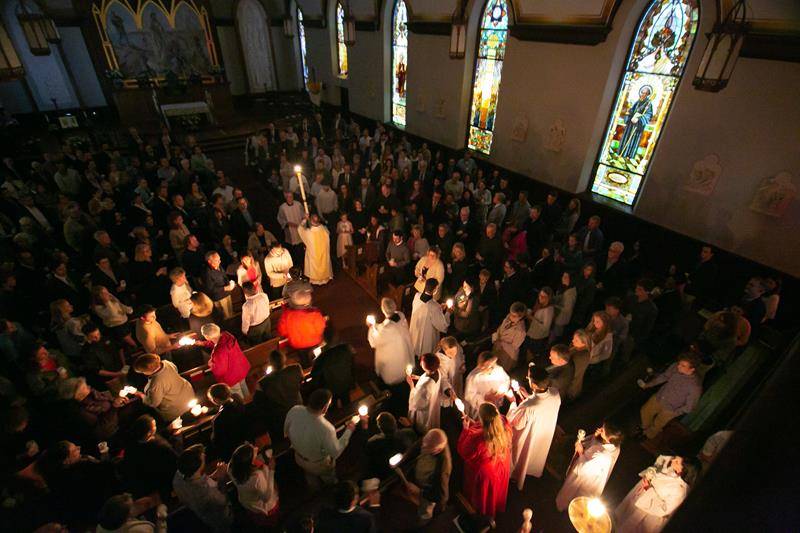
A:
184	109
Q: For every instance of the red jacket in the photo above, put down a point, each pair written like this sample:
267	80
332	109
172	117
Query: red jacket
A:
228	363
303	327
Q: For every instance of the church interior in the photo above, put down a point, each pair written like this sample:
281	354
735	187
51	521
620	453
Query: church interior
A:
399	265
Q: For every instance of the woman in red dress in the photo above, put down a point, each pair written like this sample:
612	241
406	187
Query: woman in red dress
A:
485	446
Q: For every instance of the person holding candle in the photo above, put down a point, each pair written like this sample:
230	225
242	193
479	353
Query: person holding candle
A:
425	398
255	486
430	266
277	392
228	363
508	338
533	422
430	485
451	357
393	353
429	319
149	462
485	447
151	335
256	324
592	464
203	493
651	503
218	285
313	437
166	391
467	317
277	264
485	383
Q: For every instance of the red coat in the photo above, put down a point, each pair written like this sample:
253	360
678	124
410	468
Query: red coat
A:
303	327
228	363
485	478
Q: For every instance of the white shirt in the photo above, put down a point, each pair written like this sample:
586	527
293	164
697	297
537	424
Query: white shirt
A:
226	192
181	299
327	202
312	436
480	384
290	213
255	310
259	493
277	267
393	350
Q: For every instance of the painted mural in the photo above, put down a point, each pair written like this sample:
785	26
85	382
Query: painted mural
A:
155	37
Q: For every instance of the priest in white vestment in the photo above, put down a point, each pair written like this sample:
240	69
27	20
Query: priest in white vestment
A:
488	382
427	393
290	215
594	460
315	236
651	503
428	319
533	422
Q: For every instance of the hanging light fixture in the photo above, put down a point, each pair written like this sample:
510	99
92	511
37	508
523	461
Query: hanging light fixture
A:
288	21
10	64
39	29
458	32
722	51
349	26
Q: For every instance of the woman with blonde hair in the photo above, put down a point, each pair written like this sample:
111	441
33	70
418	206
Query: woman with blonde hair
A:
485	447
113	314
202	311
601	337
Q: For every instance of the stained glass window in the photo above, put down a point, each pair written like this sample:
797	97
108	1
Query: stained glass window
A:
399	62
301	34
655	65
488	69
340	46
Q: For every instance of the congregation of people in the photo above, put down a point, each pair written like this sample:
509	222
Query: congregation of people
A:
125	267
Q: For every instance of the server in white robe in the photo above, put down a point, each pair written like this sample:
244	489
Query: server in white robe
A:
533	422
429	320
488	382
392	344
650	504
451	355
594	460
427	393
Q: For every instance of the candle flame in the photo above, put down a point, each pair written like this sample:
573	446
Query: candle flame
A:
185	341
371	320
297	169
596	508
409	369
269	370
395	459
459	404
449	303
192	403
363	410
514	385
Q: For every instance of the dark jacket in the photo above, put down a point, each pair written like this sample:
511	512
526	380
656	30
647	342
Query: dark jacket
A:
214	283
333	370
231	428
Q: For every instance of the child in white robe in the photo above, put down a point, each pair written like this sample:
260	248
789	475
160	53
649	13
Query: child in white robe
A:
533	422
651	503
488	382
592	467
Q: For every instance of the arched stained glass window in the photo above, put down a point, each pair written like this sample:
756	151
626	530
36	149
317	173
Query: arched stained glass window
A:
488	69
341	48
399	62
301	34
655	65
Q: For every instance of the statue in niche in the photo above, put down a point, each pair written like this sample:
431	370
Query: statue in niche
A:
774	195
556	136
704	175
520	130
